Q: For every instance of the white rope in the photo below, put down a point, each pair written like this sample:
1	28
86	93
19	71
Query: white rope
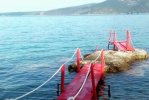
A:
70	98
71	57
82	58
97	57
73	98
83	82
132	43
38	86
46	80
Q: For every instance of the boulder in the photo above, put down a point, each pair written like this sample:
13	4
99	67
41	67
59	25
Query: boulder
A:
115	61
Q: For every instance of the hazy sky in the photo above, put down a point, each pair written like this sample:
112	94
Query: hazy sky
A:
39	5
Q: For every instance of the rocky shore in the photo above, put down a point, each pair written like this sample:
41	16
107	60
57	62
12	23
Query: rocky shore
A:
115	61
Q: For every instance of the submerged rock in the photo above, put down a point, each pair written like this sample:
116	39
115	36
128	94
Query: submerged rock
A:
116	61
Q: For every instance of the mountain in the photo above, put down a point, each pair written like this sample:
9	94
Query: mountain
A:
106	7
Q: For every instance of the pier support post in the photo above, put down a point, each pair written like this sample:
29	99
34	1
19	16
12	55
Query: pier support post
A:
62	78
78	59
114	41
93	82
109	42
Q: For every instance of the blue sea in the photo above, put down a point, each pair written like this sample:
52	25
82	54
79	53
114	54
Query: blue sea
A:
32	48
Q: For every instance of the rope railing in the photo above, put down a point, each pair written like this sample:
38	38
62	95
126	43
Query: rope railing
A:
132	43
82	58
73	97
28	93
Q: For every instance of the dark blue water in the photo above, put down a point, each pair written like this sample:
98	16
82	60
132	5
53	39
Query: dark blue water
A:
32	48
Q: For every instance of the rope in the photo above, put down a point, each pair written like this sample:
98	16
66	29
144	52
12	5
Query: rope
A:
28	93
71	57
83	82
73	98
132	43
96	57
82	58
38	86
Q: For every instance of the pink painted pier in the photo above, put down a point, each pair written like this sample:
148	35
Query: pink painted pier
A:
84	84
120	45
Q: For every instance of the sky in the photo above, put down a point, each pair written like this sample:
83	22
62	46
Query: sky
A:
39	5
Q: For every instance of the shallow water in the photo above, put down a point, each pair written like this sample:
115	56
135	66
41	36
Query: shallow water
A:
33	47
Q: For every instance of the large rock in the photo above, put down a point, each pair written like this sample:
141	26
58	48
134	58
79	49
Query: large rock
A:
115	61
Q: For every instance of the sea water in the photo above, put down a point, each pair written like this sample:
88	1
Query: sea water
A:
32	48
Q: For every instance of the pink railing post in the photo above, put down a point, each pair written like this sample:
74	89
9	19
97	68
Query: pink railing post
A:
62	78
127	40
102	65
93	82
78	59
114	40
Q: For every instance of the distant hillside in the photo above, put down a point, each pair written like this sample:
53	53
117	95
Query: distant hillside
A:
106	7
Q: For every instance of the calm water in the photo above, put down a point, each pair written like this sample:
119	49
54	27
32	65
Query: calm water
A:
32	48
